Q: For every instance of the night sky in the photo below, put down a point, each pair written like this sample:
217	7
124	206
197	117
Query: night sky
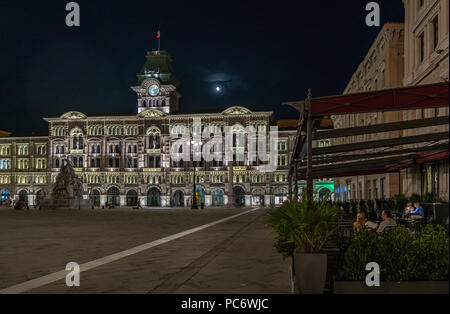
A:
269	51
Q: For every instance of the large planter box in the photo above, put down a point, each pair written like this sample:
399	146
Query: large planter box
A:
406	287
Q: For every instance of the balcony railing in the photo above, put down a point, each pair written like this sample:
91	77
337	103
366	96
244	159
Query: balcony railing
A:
154	151
151	169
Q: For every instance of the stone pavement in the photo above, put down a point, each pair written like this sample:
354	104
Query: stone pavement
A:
233	257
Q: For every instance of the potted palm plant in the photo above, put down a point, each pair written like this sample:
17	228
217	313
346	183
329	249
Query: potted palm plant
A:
302	229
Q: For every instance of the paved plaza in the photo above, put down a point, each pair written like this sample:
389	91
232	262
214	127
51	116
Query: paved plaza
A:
234	256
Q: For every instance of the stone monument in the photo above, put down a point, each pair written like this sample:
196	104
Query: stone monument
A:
67	192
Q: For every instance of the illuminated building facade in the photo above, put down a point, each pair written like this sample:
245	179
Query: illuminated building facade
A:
125	160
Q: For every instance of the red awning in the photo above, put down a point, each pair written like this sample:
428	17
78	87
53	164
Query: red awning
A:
423	157
416	97
384	166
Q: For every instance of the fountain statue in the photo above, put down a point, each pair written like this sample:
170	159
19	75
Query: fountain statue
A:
67	191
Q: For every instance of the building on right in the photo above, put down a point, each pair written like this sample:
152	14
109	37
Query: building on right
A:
403	54
381	68
426	62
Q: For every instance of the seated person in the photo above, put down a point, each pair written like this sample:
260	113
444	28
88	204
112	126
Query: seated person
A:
360	221
418	212
409	208
387	222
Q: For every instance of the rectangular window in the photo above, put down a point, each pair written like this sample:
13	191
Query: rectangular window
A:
421	47
22	163
282	160
40	164
5	164
282	145
435	32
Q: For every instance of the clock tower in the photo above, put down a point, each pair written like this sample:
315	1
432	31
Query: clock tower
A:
157	84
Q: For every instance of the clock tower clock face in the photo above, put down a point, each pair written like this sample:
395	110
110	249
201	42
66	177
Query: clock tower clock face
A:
153	90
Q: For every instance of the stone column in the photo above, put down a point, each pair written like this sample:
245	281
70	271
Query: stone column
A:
230	184
102	200
248	200
208	200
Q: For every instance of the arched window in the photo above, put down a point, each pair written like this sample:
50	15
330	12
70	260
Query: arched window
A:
238	132
59	131
178	129
259	126
154	138
131	130
77	139
113	130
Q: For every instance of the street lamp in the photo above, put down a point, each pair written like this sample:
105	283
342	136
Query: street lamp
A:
194	204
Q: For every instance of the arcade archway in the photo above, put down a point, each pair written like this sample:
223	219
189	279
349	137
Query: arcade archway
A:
200	195
113	196
96	198
323	192
153	197
217	198
178	199
6	195
23	195
132	198
238	196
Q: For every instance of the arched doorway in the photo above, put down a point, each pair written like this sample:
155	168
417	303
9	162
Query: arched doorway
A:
113	196
23	195
281	196
153	197
178	199
238	196
96	198
217	198
38	198
258	198
200	195
132	198
323	192
6	195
